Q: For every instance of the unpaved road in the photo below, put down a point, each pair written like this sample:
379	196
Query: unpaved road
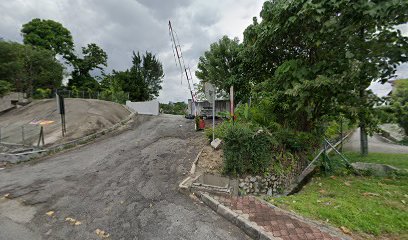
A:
125	185
375	144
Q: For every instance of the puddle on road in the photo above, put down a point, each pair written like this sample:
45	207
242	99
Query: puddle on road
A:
16	211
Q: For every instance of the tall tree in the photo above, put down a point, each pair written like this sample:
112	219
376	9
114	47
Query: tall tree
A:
144	77
317	58
93	58
221	66
28	68
50	35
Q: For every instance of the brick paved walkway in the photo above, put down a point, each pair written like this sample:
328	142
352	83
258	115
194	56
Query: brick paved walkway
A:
273	220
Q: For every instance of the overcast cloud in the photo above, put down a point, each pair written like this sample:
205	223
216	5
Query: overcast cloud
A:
122	26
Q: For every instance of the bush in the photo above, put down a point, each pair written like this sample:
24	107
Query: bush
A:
42	93
294	141
5	87
219	132
247	149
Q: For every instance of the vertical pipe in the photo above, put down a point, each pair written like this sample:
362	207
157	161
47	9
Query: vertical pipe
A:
341	134
213	117
22	134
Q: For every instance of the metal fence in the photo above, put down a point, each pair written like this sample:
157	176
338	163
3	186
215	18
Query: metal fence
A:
120	97
27	134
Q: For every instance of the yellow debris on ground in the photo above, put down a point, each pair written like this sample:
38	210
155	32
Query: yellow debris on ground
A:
101	233
50	213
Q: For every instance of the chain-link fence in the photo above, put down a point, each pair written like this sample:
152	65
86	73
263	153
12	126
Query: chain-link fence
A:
119	97
27	134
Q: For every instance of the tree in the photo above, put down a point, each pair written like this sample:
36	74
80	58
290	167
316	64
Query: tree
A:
221	66
93	58
28	68
178	108
112	90
144	78
399	103
315	59
5	87
50	35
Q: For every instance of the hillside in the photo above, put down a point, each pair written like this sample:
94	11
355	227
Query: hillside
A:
83	117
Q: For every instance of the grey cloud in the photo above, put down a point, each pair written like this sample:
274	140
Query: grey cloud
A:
120	27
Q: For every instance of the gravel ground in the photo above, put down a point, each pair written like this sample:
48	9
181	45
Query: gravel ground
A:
124	185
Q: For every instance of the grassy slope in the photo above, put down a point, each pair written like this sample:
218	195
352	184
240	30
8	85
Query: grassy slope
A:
395	159
366	205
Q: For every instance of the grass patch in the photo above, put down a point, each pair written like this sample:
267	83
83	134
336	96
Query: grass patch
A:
398	160
370	205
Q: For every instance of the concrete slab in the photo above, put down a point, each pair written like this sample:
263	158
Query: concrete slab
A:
212	181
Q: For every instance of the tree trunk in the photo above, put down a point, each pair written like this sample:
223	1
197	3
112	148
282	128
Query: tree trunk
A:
363	130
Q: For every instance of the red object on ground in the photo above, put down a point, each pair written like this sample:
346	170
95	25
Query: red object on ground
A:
201	124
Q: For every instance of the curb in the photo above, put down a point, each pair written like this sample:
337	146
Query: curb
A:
250	228
194	165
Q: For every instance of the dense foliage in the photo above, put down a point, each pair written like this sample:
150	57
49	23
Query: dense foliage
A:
178	108
28	68
400	103
247	149
50	35
305	63
221	66
34	68
93	58
142	81
5	87
308	62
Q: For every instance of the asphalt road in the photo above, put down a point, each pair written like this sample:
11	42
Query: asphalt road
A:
125	185
375	144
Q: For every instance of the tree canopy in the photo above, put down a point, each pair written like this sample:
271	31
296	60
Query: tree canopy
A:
28	68
93	58
308	61
50	35
221	66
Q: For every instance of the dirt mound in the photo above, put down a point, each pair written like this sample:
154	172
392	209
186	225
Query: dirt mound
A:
83	117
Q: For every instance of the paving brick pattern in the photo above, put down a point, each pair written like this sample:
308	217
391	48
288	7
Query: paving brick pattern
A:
273	220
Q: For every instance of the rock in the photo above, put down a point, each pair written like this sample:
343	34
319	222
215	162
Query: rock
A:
375	169
241	185
269	193
216	143
253	179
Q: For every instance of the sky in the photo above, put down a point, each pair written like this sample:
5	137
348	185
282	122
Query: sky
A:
123	26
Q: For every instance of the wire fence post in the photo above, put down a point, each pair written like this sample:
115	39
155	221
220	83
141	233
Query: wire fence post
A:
22	135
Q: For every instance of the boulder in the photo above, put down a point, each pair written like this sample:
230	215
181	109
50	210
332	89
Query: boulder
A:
375	169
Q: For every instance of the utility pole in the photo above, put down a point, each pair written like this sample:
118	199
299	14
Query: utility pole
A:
178	57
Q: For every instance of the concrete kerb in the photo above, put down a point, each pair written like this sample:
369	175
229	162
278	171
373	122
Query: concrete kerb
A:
250	228
22	157
322	227
185	185
194	165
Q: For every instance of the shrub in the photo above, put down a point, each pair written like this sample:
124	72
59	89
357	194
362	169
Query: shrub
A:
5	87
294	141
219	131
42	93
247	149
